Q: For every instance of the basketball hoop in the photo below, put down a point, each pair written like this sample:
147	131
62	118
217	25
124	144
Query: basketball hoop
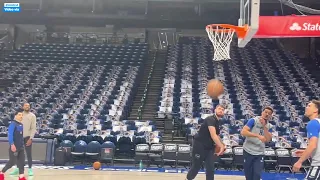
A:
221	37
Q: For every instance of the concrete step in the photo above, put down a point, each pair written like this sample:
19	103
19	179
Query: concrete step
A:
137	101
152	94
174	141
152	101
156	82
154	88
169	136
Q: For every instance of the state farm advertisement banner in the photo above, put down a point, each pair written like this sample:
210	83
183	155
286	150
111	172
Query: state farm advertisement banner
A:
288	26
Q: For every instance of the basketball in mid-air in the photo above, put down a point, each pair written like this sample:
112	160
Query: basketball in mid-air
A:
214	88
96	165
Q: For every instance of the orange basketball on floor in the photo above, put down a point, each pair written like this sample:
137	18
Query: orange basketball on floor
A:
214	88
96	165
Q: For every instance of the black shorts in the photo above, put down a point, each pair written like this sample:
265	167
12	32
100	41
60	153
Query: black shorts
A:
313	173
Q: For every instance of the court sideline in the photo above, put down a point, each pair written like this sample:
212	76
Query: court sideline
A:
53	174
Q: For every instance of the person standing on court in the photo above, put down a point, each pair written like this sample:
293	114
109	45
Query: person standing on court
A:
257	132
204	145
29	130
16	149
312	111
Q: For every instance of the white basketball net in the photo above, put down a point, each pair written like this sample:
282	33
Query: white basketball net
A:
221	39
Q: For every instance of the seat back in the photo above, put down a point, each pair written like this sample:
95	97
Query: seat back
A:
238	156
184	153
169	152
156	148
283	157
67	145
270	154
270	159
142	148
80	147
107	150
94	147
106	153
141	152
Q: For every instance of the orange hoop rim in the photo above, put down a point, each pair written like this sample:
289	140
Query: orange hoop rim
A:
241	31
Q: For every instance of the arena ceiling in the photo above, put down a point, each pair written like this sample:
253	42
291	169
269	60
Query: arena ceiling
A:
139	13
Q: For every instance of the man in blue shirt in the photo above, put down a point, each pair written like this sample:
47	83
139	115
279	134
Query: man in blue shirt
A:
257	132
16	150
312	111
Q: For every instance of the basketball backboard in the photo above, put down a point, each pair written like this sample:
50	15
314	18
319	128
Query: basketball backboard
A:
249	15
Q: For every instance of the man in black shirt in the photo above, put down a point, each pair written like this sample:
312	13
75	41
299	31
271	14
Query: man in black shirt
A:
204	144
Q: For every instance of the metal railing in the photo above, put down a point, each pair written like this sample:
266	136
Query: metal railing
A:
81	37
143	99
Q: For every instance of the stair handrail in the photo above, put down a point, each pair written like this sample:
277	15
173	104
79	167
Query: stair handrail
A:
140	110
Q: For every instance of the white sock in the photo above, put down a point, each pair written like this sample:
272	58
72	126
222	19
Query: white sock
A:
21	175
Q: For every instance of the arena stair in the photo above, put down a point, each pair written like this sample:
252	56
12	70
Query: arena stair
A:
150	107
169	139
141	88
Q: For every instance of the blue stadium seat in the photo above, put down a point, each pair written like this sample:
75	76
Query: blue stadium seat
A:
68	146
93	151
107	152
79	150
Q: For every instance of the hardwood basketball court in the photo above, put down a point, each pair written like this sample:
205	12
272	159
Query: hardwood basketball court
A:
54	174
